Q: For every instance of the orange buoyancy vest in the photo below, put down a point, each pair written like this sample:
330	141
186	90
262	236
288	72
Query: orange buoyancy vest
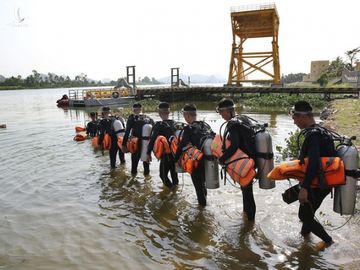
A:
79	128
80	136
173	145
94	142
333	170
190	158
132	144
161	147
239	166
106	142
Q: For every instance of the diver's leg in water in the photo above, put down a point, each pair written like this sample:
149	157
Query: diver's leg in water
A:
307	213
198	179
164	172
134	162
171	165
114	148
249	202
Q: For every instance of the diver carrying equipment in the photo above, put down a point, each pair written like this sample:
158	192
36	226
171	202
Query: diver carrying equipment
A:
258	146
345	195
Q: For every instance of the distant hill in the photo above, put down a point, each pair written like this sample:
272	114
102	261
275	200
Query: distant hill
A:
2	78
106	80
196	78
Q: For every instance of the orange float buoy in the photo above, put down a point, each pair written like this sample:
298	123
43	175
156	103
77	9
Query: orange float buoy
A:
80	136
79	128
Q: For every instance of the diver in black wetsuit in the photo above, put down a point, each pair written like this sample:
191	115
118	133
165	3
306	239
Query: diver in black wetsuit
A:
237	135
92	126
317	144
194	133
134	124
166	128
110	125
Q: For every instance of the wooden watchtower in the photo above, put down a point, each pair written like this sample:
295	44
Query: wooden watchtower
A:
254	21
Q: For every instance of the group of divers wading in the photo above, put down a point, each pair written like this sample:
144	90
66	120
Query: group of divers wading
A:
243	149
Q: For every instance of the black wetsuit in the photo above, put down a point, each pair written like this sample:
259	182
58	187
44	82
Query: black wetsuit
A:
194	134
165	128
318	143
106	126
92	128
134	125
238	136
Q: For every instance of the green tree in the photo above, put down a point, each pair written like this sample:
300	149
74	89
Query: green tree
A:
335	68
292	145
146	80
291	78
352	57
323	80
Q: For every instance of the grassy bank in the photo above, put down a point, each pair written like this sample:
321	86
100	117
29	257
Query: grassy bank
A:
249	102
278	102
345	117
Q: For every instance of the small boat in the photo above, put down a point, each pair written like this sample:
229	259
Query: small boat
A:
100	97
121	94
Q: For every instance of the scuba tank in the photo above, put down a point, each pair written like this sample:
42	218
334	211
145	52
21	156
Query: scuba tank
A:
211	165
120	128
345	196
145	138
264	157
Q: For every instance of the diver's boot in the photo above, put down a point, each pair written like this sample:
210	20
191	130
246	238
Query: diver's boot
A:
322	245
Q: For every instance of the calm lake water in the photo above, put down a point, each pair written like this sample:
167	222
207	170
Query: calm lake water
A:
62	208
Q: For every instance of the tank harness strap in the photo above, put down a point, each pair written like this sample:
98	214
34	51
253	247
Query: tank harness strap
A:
186	148
237	159
120	130
209	157
353	173
264	155
196	155
192	153
223	174
322	182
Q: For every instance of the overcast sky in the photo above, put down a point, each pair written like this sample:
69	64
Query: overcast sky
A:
100	38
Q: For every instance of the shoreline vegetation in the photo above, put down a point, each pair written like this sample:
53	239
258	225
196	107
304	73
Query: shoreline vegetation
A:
51	80
14	84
